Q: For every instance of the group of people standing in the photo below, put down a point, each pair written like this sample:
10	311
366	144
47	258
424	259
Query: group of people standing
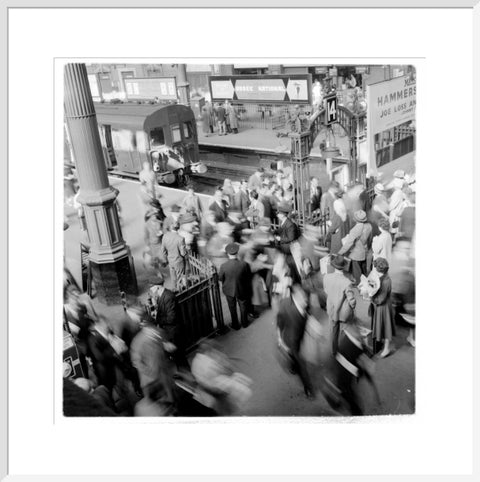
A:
221	119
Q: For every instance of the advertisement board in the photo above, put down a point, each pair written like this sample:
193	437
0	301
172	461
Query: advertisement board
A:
278	89
165	88
390	104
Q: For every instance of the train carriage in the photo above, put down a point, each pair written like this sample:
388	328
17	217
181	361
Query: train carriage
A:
163	135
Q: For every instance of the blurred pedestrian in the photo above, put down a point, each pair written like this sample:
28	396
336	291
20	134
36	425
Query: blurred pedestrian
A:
291	322
218	242
205	118
315	194
357	244
236	279
288	231
148	356
167	319
219	205
328	198
228	191
153	234
191	202
382	244
256	179
350	364
256	210
379	209
174	251
148	179
397	202
340	298
339	227
241	198
219	387
381	310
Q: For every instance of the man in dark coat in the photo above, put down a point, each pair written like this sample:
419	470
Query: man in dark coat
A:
288	231
315	194
236	279
166	318
291	323
219	206
241	200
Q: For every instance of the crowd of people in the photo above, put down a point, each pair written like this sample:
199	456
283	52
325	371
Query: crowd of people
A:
220	119
264	262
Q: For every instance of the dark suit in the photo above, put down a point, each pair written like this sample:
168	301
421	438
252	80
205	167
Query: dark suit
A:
220	213
291	324
236	279
241	201
104	359
288	232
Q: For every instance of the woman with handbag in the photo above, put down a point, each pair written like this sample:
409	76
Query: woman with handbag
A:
381	310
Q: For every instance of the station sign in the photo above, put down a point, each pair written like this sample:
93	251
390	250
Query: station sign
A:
147	88
278	89
331	110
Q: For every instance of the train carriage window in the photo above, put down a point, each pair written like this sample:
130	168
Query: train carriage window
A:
123	140
176	135
157	137
187	130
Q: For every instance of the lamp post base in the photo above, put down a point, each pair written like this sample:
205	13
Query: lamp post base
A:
111	279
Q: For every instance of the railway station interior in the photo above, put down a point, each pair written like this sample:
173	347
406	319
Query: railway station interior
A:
239	240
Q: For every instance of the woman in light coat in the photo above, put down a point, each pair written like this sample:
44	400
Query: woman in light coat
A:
382	244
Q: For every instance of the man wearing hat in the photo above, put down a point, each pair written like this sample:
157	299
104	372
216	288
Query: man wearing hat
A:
236	279
288	231
147	352
172	218
166	318
189	231
357	243
173	250
340	298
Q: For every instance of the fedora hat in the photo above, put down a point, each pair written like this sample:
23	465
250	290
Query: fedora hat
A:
232	248
338	262
379	188
360	216
400	174
175	208
187	218
284	207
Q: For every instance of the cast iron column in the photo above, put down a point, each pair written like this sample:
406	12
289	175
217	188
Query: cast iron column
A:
110	260
183	85
301	176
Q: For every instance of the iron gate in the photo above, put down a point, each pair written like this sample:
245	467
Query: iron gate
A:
199	306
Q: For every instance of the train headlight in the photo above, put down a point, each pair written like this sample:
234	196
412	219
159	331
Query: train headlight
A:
199	168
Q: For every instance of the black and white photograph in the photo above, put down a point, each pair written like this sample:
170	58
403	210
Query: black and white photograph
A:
239	239
216	251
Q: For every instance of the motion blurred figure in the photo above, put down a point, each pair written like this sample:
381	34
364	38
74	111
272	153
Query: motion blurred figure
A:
291	323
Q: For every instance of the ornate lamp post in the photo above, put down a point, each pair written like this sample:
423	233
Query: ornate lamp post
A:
109	255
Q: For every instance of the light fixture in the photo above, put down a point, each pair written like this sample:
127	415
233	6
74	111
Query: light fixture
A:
330	151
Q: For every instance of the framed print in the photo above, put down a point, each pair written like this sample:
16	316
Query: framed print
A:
215	258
